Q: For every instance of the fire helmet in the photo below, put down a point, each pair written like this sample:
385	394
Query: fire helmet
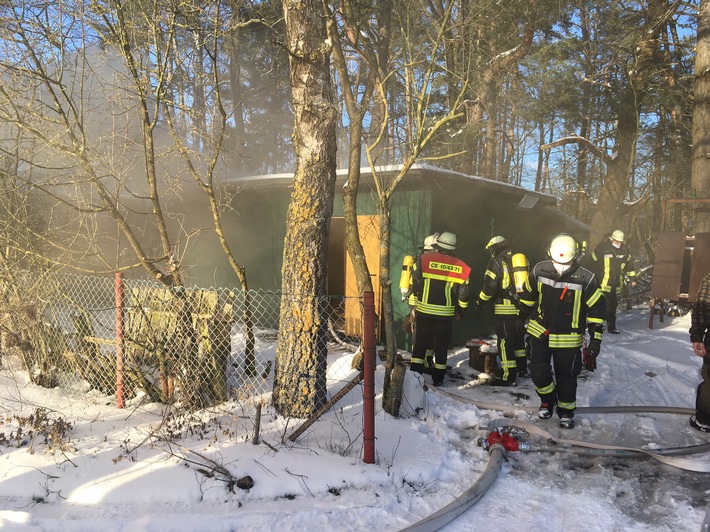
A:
429	242
563	249
617	235
446	241
496	243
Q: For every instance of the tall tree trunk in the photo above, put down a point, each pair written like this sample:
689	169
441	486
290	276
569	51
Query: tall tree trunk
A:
232	43
700	164
616	185
299	385
395	369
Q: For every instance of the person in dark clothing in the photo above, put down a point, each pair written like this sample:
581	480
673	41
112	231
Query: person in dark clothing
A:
499	287
700	337
613	265
411	321
561	300
440	285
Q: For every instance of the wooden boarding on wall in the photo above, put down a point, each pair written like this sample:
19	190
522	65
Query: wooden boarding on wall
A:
369	229
668	267
700	265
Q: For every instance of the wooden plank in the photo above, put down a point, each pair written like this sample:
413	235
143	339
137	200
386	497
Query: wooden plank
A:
369	228
668	267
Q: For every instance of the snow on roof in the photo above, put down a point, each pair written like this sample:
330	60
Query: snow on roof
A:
420	172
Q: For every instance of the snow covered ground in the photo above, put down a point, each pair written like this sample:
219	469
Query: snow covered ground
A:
111	474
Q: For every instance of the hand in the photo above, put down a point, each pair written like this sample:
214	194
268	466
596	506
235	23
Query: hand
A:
699	348
589	357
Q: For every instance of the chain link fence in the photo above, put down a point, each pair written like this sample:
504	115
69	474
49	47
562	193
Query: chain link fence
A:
193	347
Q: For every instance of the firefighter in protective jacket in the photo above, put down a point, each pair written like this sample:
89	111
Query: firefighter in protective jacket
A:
409	324
613	266
499	287
440	286
562	300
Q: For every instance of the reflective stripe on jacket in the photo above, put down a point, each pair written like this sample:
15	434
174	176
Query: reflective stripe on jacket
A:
440	283
497	285
611	266
562	307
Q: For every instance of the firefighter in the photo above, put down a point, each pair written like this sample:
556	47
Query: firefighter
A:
440	285
700	338
499	287
410	324
427	247
612	262
561	299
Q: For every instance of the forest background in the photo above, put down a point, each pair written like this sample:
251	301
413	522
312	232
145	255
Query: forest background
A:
106	105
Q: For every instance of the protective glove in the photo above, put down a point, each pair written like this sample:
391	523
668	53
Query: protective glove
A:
590	354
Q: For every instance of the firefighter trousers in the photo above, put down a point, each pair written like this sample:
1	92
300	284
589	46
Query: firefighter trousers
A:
612	303
511	347
702	396
562	389
432	332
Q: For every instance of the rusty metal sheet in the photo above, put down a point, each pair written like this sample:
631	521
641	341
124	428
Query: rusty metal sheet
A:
668	268
700	265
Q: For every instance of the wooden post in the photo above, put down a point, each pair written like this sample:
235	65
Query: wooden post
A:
368	400
257	426
120	391
322	410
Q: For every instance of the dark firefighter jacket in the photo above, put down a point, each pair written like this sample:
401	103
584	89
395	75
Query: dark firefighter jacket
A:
611	266
562	306
498	285
700	317
440	285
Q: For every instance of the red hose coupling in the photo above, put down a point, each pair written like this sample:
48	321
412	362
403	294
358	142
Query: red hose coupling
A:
494	437
504	439
510	443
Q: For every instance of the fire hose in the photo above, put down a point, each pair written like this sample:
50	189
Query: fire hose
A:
504	436
497	443
467	499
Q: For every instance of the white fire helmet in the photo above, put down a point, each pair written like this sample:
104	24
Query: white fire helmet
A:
496	242
617	235
429	242
446	241
563	249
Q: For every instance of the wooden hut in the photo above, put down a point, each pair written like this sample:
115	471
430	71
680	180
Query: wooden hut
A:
429	199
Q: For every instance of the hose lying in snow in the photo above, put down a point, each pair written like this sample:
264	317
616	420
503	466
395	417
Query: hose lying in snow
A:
467	499
676	459
617	453
699	466
581	409
496	453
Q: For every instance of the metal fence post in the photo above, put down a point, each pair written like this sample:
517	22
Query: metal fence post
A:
368	353
120	391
